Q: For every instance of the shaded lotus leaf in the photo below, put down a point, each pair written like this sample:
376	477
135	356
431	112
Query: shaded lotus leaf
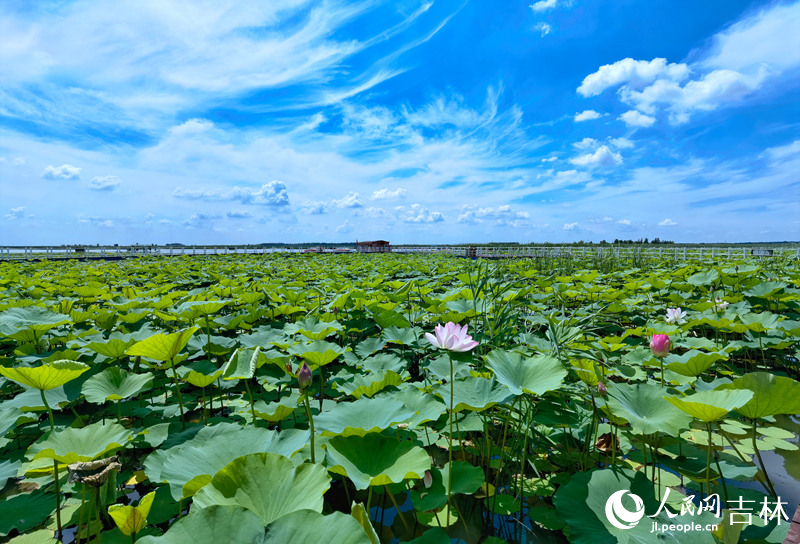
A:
772	394
9	418
73	445
368	346
504	505
312	328
362	416
268	485
21	512
404	336
200	373
426	407
467	478
242	364
114	384
213	525
693	362
191	465
646	409
475	394
114	348
582	504
162	347
708	406
532	375
385	318
132	519
318	352
383	361
309	526
199	308
277	411
46	376
8	470
435	535
374	460
369	384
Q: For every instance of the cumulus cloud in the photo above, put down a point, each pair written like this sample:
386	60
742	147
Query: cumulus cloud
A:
603	156
633	118
500	216
621	143
314	207
273	193
200	220
16	213
239	214
385	194
667	223
624	222
586	143
570	226
375	212
636	73
543	28
416	213
104	183
63	172
587	115
352	200
544	5
345	227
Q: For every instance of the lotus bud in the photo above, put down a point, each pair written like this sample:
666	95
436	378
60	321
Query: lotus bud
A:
427	479
304	376
660	345
601	389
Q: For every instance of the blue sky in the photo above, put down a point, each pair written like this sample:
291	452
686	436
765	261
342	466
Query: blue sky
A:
412	121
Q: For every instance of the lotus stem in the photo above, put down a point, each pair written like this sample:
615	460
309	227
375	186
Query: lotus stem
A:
661	360
311	428
252	406
450	449
761	462
396	507
57	479
178	390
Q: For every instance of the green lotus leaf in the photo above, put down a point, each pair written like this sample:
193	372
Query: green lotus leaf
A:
582	504
132	519
200	373
242	364
703	278
360	514
383	361
532	375
587	371
114	347
73	445
437	535
8	470
388	318
268	485
318	352
277	411
191	465
646	409
162	347
368	346
772	394
46	376
213	525
693	362
404	336
21	512
708	406
765	289
31	322
426	407
760	322
362	416
114	384
369	384
475	394
312	328
467	478
199	308
309	526
374	460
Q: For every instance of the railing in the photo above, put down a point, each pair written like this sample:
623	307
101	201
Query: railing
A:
8	253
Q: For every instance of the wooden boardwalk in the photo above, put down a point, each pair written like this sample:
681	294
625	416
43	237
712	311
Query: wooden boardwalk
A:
794	530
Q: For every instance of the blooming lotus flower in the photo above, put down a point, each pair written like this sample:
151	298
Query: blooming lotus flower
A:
660	345
675	315
304	376
719	304
451	337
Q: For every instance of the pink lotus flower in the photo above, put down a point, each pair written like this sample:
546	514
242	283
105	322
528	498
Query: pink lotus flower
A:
451	337
304	376
719	304
660	345
675	315
601	388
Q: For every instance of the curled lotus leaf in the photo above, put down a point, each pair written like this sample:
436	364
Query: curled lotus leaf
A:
46	376
73	445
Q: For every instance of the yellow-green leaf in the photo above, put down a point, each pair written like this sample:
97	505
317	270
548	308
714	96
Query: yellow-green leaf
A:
132	519
162	347
47	376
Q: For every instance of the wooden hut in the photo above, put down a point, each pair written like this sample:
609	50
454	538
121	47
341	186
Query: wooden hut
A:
374	246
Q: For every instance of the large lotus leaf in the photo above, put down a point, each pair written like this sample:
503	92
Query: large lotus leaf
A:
213	525
467	478
693	362
708	406
582	504
308	526
8	470
35	319
772	394
475	394
362	416
46	376
426	407
405	336
312	328
73	445
277	411
242	364
162	347
200	373
368	346
383	361
765	289
703	278
375	460
318	352
22	512
190	466
267	484
369	384
532	375
644	407
9	418
198	308
760	322
113	347
114	384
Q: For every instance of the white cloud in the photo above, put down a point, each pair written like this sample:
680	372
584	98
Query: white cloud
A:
586	143
635	73
502	215
624	222
667	223
621	143
384	194
416	213
586	115
375	212
550	159
313	207
570	226
544	5
238	214
104	183
16	213
65	171
543	28
273	193
345	227
603	156
200	220
16	161
352	200
633	118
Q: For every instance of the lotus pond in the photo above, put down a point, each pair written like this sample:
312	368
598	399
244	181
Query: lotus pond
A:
297	398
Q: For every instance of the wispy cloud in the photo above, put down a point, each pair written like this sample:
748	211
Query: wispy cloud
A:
273	193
